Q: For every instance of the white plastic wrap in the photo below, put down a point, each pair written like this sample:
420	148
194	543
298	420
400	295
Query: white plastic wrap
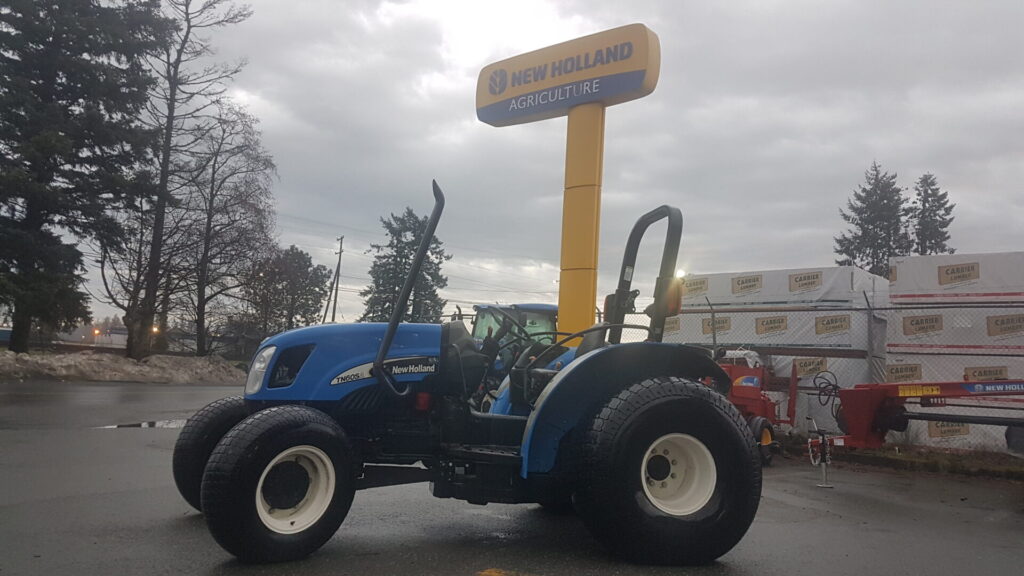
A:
952	368
840	286
963	330
957	278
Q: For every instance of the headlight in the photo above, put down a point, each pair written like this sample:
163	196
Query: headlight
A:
258	369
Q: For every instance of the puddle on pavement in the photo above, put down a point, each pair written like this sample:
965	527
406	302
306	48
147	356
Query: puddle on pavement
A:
151	424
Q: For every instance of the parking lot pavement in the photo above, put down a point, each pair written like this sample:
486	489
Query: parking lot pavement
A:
80	500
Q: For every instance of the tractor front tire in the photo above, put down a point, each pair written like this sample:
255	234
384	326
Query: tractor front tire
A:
764	436
279	485
670	474
197	440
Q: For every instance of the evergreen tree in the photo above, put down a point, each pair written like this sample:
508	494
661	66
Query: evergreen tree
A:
72	85
931	215
391	267
878	219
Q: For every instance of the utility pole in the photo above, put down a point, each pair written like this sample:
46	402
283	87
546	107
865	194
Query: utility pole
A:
333	296
337	277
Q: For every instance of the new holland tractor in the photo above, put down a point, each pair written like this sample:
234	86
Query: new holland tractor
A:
660	467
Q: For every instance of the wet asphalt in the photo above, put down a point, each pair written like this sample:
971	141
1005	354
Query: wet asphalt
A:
79	499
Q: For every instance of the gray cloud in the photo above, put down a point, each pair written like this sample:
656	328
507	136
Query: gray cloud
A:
764	119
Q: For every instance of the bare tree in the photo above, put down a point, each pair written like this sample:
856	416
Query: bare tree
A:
179	107
123	265
232	215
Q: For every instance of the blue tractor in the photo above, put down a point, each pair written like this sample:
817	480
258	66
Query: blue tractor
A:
661	468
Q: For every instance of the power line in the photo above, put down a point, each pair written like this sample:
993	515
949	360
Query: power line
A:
336	225
501	291
331	225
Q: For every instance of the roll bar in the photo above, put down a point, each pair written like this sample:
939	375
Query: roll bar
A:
617	312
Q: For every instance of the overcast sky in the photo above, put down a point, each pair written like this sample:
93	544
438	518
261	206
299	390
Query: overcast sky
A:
764	119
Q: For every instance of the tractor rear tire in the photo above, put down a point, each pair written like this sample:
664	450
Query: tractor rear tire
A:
279	485
764	436
197	440
670	474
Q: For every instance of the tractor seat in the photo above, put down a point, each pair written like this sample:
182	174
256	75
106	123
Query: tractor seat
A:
462	365
592	341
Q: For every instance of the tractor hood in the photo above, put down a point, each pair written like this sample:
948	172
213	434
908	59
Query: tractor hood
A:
330	361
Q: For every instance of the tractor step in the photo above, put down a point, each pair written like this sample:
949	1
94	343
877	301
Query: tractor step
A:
494	454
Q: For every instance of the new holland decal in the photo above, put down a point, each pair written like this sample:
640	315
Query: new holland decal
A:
397	367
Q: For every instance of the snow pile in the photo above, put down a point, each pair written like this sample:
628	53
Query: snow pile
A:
102	367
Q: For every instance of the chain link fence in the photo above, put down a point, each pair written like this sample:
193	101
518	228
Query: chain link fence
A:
829	348
959	343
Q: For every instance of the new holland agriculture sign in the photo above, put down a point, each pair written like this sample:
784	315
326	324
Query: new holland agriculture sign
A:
610	67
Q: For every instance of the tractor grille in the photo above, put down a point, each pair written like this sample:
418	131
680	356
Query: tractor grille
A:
366	399
288	364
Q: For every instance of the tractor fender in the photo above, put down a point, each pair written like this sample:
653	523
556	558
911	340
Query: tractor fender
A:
596	376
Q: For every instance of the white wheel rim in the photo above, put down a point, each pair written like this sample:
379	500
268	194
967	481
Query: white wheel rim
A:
678	474
319	492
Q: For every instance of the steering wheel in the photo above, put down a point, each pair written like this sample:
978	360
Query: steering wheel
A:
511	319
532	364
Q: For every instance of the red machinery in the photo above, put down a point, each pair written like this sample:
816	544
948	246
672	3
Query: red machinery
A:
870	411
867	412
749	377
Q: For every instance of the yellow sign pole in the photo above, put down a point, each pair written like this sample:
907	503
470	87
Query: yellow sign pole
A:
578	78
581	217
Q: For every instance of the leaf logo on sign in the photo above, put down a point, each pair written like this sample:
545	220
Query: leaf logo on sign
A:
498	82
